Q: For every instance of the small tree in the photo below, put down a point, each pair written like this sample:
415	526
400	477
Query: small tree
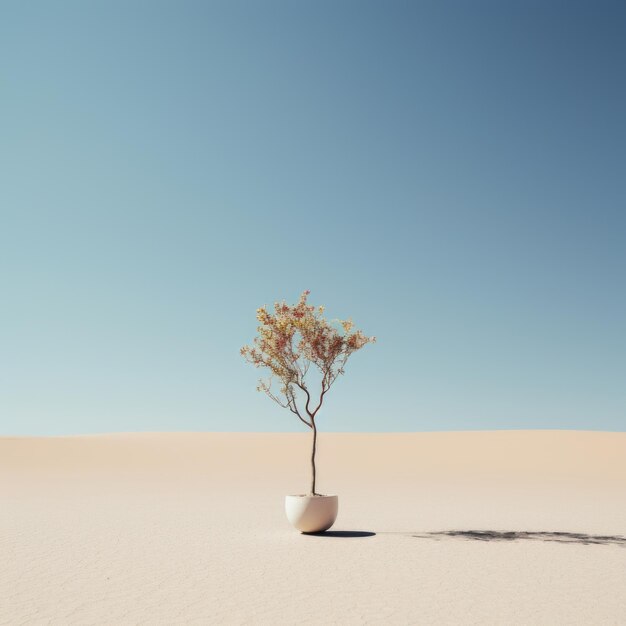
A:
289	341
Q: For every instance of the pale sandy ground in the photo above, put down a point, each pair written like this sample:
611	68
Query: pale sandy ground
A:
190	529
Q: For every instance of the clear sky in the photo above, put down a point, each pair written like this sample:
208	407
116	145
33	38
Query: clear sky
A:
450	174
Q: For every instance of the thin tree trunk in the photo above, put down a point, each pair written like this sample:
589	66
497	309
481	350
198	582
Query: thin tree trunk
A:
313	458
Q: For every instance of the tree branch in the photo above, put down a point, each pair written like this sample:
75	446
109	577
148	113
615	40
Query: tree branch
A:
325	388
308	398
293	407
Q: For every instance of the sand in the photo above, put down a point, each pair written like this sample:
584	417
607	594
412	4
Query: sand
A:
189	528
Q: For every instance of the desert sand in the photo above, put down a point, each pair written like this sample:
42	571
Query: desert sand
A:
510	527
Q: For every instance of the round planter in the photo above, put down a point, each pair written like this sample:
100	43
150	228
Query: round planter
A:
311	514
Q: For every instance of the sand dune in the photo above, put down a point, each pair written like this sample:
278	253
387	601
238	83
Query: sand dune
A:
500	528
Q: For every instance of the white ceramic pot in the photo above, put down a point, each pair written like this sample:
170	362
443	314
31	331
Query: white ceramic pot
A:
311	514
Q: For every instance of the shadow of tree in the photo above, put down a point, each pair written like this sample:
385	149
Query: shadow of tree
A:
495	535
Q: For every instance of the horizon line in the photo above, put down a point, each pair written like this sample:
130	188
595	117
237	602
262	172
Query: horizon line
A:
265	432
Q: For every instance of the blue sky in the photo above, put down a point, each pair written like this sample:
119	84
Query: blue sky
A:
450	174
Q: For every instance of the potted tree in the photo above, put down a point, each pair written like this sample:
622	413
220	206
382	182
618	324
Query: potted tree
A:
290	340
